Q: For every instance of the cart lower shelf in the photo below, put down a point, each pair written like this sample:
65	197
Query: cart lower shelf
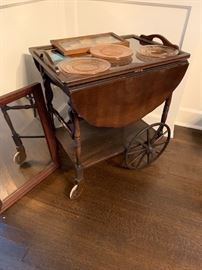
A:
98	144
141	143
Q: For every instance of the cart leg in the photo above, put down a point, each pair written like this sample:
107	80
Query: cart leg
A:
78	186
166	109
20	156
164	116
49	98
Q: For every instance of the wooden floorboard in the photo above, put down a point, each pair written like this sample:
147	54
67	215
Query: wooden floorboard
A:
150	219
11	263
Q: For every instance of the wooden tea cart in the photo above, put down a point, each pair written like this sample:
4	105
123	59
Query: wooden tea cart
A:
106	110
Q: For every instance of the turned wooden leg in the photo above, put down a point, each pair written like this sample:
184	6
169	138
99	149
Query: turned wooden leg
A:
166	109
49	98
164	115
78	187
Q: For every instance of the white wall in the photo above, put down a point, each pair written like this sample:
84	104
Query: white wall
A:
27	25
168	18
35	23
190	111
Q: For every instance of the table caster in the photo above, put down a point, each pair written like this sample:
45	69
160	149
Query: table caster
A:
20	156
142	152
76	191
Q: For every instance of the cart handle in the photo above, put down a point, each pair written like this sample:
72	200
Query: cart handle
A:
162	38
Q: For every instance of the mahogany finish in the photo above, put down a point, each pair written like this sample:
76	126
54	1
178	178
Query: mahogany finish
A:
98	143
66	83
46	124
164	40
17	94
114	98
121	101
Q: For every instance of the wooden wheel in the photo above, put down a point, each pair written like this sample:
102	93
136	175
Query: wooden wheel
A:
20	156
147	146
76	191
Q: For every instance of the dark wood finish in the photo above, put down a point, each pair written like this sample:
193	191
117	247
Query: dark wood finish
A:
149	219
166	109
17	94
193	136
147	145
119	102
77	80
162	38
98	144
115	98
36	90
46	124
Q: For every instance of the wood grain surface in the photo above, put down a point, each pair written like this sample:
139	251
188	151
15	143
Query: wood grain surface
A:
119	102
146	220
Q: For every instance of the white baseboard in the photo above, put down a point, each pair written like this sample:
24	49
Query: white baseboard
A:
189	118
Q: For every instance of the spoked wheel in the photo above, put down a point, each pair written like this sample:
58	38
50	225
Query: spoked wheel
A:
76	190
20	156
147	146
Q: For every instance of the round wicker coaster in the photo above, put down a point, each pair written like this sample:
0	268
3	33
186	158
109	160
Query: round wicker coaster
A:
89	65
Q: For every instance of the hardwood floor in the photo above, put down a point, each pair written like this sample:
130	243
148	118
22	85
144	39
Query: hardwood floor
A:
149	219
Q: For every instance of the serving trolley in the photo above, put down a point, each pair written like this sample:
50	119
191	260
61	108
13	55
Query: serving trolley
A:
106	110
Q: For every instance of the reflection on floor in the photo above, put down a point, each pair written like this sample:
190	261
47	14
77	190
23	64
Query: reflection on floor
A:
11	175
149	219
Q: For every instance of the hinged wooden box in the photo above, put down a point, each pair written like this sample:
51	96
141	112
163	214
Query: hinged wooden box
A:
80	45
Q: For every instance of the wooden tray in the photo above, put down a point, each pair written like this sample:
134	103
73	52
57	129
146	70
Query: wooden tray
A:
155	52
79	45
88	65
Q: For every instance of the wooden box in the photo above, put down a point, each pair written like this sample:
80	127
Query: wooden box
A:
80	45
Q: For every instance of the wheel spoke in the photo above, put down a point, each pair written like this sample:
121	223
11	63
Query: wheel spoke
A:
148	133
135	151
140	160
147	145
137	146
158	144
148	158
133	160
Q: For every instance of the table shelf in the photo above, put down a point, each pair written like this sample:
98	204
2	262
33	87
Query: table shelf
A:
98	144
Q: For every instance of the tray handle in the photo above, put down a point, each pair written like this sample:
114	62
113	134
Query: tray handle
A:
162	38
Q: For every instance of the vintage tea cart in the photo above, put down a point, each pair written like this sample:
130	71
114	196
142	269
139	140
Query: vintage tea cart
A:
106	110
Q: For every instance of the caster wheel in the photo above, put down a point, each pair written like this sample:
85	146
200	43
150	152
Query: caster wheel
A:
147	146
76	191
19	157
